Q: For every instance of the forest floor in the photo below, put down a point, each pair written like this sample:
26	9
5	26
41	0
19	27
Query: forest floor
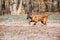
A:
17	28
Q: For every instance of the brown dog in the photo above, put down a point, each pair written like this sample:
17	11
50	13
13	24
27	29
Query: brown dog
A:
36	18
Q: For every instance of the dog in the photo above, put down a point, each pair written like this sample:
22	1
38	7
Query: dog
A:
36	18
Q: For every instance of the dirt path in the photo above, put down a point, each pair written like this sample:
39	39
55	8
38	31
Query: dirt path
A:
29	33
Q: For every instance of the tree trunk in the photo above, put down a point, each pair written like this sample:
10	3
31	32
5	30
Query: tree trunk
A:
19	9
13	7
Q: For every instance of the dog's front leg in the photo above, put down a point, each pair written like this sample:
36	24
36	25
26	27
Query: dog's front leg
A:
30	21
35	23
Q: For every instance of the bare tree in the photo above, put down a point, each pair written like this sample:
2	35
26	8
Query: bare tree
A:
13	7
19	9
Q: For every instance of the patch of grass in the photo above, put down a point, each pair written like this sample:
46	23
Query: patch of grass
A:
54	17
23	17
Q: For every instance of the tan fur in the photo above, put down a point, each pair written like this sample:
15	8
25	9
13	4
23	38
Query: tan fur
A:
36	18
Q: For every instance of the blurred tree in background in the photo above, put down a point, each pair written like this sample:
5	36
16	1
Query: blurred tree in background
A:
17	7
